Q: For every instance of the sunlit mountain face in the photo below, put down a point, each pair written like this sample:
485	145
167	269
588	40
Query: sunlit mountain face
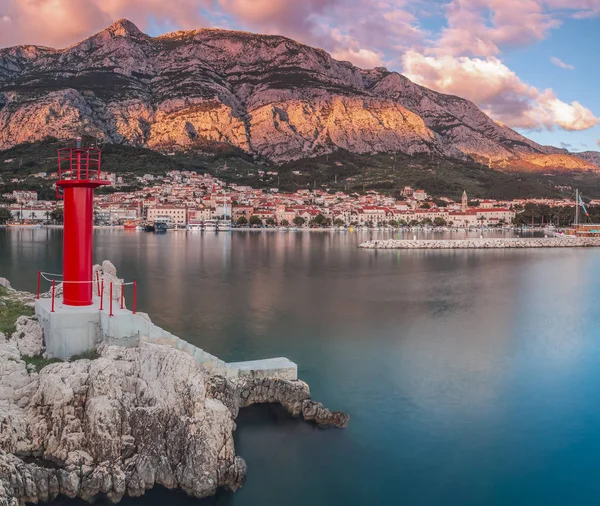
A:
268	96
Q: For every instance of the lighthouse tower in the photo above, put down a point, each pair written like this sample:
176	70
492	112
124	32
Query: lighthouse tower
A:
79	174
85	315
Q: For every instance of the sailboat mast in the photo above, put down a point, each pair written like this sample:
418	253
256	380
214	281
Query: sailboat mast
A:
577	207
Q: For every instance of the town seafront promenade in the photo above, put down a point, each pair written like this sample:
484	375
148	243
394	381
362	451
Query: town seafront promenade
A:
491	243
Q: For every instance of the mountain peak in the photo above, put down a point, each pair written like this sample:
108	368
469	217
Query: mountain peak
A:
125	28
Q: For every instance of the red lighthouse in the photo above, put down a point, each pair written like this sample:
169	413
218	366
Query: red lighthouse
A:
78	176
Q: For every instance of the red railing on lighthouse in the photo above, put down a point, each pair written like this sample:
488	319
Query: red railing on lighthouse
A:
111	290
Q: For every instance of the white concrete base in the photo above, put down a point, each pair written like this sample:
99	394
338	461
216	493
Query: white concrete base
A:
71	330
281	368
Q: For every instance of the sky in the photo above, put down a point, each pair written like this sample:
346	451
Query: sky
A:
529	64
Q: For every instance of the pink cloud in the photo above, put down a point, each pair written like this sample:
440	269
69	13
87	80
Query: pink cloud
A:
484	27
58	23
498	91
559	63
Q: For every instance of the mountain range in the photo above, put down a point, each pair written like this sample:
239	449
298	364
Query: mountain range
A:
268	96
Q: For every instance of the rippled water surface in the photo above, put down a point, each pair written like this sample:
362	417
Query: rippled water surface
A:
472	377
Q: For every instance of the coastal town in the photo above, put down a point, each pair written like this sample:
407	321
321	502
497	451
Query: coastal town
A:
181	199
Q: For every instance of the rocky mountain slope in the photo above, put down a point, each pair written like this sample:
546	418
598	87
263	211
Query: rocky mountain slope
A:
265	95
590	156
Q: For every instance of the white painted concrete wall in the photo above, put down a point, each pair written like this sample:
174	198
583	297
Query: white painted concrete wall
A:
73	330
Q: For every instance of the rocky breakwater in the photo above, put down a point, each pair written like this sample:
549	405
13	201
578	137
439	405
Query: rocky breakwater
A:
492	243
123	420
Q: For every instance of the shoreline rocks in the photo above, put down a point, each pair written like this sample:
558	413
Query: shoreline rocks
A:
490	243
126	421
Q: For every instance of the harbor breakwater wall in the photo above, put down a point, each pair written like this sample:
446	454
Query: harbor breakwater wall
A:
491	243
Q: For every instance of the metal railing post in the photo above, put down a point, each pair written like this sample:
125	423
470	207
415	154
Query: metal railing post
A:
111	300
39	284
53	287
134	296
122	294
101	294
98	282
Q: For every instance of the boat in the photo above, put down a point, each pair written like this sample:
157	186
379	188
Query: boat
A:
160	227
223	225
149	227
131	224
210	225
194	227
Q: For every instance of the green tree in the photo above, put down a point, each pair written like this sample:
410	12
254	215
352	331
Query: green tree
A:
426	222
425	205
242	220
285	223
439	222
255	221
270	222
57	215
299	221
393	223
338	222
4	215
318	221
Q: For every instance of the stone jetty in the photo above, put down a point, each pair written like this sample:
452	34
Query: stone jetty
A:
126	417
491	243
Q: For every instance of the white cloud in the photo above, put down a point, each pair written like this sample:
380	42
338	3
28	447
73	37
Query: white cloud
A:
559	63
498	91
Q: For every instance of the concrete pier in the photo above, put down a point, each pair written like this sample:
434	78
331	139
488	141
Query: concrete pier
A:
71	330
492	243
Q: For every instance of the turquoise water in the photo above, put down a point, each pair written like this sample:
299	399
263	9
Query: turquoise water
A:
472	377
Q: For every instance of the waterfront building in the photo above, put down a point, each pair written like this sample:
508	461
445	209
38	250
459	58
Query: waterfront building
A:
197	216
175	215
495	215
24	196
242	211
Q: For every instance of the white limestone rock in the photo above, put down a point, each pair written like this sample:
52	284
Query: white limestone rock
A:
108	274
28	336
122	423
117	425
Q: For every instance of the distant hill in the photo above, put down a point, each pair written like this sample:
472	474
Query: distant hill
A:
340	171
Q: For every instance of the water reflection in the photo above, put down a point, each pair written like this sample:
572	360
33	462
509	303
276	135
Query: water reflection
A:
471	376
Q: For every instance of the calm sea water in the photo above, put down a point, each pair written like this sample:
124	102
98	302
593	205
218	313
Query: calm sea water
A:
472	377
